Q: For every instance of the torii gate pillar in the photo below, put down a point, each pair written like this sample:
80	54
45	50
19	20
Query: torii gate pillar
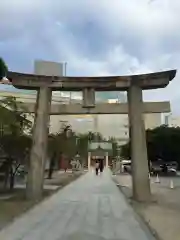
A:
140	180
38	154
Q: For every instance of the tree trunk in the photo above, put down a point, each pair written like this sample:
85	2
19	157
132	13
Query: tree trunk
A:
7	173
6	179
11	180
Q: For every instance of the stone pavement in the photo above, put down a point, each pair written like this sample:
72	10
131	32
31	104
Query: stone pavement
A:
90	208
163	214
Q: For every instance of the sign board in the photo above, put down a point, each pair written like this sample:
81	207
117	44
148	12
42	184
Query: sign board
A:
48	68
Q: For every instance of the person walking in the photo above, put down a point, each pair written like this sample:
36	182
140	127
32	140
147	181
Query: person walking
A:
101	166
97	167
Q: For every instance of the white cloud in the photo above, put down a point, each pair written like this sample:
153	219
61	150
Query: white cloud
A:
95	37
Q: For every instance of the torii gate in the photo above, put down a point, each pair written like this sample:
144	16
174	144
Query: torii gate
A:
133	84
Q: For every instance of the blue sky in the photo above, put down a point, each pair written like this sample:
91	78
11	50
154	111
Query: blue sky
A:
101	37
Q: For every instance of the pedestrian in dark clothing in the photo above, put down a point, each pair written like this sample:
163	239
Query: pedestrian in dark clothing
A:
97	167
101	167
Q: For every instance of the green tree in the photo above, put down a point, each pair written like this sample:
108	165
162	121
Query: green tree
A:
69	143
82	144
125	151
15	150
14	140
11	120
61	143
3	68
162	142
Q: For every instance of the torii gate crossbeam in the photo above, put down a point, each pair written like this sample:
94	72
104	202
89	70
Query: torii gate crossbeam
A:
101	108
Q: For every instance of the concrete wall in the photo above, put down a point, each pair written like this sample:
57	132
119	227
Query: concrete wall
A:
152	120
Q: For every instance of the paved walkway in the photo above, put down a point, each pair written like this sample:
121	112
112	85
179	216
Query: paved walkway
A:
91	208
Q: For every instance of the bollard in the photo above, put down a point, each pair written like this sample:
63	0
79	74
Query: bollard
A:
157	179
171	184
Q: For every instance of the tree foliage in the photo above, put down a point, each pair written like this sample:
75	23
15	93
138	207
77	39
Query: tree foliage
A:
69	142
11	120
14	141
3	68
162	142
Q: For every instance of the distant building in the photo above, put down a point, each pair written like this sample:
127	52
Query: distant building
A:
108	125
166	120
172	121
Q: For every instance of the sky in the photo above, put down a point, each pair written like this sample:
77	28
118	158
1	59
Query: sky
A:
95	37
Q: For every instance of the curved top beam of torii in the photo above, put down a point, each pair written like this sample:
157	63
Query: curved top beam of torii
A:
110	83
